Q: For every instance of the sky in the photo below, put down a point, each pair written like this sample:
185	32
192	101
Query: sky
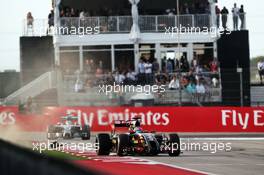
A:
13	12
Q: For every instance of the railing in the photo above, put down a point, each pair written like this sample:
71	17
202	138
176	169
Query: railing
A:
231	23
39	27
32	89
115	24
122	24
257	95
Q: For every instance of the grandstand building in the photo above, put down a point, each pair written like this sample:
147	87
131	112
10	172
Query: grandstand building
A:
115	35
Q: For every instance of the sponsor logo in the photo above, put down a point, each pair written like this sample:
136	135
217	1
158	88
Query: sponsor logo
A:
103	117
7	118
235	118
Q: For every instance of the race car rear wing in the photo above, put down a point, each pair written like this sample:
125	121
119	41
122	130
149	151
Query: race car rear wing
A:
121	124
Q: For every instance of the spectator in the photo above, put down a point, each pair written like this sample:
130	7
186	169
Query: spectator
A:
191	88
93	68
194	64
21	107
217	12
29	105
141	72
177	65
261	69
185	9
169	66
119	78
78	87
110	79
184	65
155	66
215	82
242	17
101	64
30	21
160	78
73	13
190	77
235	12
174	84
148	71
87	66
214	66
200	90
62	13
51	20
224	13
131	77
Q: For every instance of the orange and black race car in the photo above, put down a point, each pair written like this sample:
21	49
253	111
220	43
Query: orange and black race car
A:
136	141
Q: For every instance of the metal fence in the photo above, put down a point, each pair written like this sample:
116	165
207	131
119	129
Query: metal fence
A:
115	24
122	24
119	24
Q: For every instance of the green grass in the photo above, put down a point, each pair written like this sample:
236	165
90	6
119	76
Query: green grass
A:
61	155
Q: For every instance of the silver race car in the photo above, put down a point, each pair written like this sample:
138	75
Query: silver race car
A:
68	129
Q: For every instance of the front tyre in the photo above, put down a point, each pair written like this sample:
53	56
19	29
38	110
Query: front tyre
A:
174	142
104	144
122	144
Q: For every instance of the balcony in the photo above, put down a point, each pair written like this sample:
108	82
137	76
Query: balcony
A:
117	24
147	24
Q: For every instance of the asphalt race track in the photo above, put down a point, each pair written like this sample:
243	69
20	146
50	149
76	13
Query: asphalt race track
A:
245	157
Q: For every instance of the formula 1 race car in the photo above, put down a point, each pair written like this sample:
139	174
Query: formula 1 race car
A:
67	129
135	141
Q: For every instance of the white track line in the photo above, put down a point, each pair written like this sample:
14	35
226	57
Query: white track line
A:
174	166
225	138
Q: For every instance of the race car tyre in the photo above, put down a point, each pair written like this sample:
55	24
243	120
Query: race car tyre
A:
51	132
86	132
122	144
51	136
104	144
174	142
67	136
159	138
51	129
154	148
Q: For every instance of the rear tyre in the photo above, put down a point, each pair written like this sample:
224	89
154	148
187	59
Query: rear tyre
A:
51	132
174	142
122	144
86	132
104	144
159	138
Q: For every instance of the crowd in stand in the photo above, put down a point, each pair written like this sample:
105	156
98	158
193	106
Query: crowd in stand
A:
196	7
194	78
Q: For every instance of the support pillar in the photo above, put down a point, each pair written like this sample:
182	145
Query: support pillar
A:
158	54
57	55
113	57
81	57
190	52
136	56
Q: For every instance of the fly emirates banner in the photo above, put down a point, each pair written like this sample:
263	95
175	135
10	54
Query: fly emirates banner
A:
161	119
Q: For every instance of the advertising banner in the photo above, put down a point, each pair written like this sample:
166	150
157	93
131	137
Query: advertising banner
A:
161	119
